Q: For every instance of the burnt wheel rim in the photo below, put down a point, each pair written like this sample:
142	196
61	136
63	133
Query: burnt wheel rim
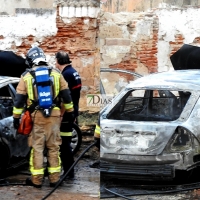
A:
74	141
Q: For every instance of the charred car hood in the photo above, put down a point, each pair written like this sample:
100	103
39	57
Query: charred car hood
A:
136	138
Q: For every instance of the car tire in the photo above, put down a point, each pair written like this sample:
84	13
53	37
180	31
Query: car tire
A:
76	138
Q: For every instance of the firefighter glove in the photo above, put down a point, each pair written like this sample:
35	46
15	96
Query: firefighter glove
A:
69	116
97	142
16	122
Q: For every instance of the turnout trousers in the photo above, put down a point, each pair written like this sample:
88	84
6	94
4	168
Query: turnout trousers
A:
45	133
75	94
65	148
67	155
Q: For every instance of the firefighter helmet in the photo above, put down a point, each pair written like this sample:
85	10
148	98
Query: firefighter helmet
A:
35	56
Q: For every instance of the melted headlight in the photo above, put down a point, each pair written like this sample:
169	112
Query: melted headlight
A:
181	141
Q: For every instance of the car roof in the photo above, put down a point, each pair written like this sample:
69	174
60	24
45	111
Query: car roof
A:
177	79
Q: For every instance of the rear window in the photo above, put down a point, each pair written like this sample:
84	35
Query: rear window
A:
150	105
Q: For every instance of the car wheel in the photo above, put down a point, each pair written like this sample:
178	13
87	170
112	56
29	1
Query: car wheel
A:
76	138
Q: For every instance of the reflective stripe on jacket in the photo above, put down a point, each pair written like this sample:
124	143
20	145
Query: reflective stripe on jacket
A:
68	106
17	111
65	133
97	131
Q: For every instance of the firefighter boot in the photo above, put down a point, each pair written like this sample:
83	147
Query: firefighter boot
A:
30	183
54	178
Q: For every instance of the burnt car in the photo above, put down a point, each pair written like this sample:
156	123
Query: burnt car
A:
11	144
151	129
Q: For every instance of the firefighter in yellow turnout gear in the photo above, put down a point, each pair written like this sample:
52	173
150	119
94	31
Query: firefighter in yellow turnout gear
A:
97	134
46	129
96	164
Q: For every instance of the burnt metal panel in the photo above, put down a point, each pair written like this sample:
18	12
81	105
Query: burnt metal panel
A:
18	144
138	172
187	57
11	64
121	71
138	138
182	80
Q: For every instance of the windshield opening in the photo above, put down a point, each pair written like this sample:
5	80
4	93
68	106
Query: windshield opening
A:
150	105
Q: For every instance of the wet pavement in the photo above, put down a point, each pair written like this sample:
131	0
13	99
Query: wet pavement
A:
125	189
85	185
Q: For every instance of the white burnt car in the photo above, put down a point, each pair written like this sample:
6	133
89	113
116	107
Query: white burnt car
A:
14	149
151	130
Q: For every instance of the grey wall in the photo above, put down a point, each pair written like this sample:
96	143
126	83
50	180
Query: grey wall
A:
7	7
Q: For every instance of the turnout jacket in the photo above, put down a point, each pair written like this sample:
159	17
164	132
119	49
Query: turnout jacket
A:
74	82
72	77
27	93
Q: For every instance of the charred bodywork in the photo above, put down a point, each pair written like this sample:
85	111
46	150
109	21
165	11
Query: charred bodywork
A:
152	127
12	145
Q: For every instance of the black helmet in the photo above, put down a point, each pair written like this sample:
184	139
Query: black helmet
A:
35	55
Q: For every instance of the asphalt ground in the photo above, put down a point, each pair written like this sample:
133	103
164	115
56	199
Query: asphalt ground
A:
85	185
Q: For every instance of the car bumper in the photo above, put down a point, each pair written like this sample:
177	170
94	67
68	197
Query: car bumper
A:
137	172
173	158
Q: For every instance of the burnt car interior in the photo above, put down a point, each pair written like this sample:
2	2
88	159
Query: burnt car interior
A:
9	60
150	105
7	94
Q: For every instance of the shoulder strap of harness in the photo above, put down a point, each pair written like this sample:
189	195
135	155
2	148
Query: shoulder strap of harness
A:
27	70
32	71
57	70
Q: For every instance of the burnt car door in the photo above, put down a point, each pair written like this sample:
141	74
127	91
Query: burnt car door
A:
14	147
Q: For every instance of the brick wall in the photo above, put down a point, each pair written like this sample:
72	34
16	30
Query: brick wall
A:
115	6
143	42
175	45
76	35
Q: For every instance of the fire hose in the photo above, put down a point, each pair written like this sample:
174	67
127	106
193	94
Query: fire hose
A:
65	175
3	182
119	195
